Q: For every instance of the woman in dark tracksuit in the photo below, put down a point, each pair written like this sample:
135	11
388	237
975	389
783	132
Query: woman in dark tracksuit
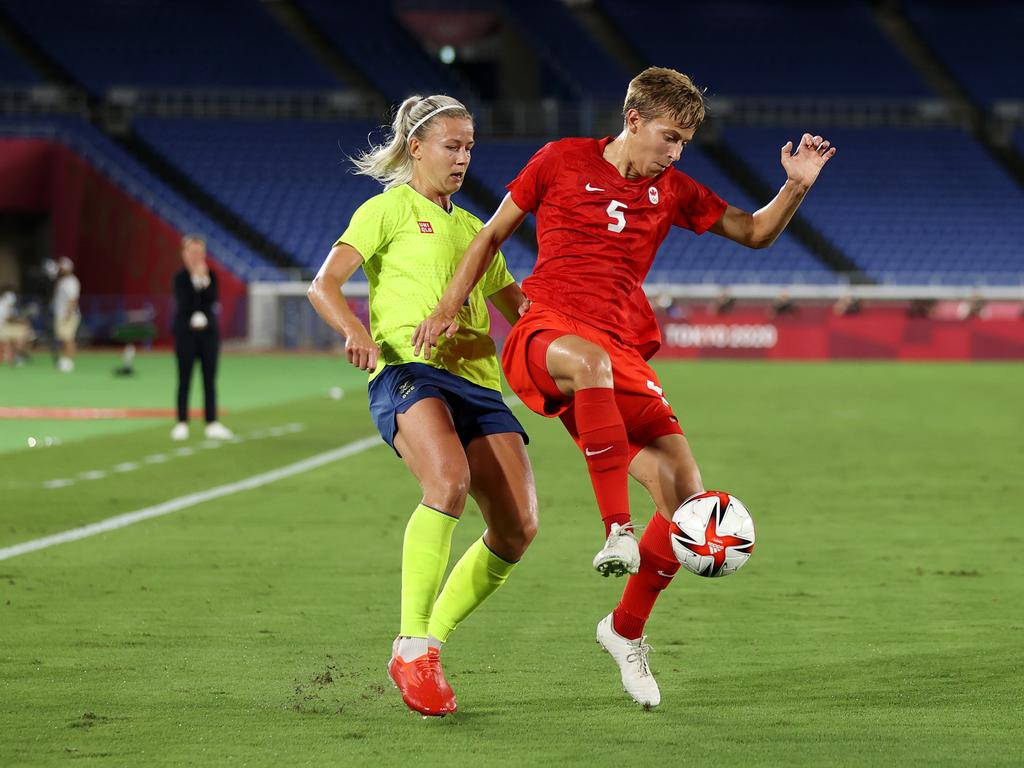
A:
196	335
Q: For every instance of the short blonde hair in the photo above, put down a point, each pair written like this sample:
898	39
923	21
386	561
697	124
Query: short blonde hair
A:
192	239
664	92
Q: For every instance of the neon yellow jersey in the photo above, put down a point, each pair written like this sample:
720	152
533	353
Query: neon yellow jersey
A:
410	249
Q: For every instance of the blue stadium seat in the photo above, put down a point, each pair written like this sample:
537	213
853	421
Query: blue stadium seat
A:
124	171
980	42
371	38
13	71
907	202
769	49
570	53
289	179
683	256
170	43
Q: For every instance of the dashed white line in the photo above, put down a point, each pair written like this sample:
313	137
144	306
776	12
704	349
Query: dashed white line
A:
191	500
186	450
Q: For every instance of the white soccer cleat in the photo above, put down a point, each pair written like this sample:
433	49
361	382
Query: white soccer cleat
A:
631	656
65	365
217	431
180	431
621	553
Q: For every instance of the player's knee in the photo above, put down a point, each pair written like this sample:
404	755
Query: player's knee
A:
593	368
527	533
514	543
448	490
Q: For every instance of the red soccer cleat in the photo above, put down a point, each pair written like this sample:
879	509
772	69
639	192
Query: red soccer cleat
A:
422	683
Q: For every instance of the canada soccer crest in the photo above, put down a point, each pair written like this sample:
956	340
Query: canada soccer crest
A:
652	194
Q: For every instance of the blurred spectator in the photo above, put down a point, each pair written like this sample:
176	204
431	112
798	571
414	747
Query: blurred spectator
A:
14	331
783	305
677	310
66	316
847	305
725	303
921	308
662	303
971	308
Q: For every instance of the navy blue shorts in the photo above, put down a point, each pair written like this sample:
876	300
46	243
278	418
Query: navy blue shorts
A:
475	410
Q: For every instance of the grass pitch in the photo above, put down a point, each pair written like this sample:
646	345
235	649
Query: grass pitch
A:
879	621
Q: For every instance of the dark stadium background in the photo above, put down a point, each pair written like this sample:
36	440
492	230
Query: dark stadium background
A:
126	124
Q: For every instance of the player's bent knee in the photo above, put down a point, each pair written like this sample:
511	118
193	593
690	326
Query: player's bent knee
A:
447	491
593	368
511	544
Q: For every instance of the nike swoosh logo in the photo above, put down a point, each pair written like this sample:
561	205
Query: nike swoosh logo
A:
592	189
589	452
665	575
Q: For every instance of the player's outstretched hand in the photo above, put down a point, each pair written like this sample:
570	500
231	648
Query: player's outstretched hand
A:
804	165
428	333
361	351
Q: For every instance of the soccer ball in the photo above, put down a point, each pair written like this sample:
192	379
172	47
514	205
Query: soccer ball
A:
712	534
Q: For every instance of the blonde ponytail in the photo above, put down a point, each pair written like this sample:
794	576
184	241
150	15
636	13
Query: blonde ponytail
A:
390	163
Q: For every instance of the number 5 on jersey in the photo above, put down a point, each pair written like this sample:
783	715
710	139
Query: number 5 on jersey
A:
617	216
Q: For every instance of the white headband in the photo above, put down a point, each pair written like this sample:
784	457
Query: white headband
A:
429	115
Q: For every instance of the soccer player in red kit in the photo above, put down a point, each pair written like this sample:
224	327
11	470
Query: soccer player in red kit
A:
580	351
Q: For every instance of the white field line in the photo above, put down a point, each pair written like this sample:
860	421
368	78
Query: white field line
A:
191	500
161	458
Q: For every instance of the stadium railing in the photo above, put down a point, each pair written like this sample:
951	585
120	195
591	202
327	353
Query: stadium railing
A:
281	316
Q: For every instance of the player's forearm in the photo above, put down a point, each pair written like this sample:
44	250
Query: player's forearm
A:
325	295
508	301
772	220
472	266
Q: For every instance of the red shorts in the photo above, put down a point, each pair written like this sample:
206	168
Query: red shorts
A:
645	411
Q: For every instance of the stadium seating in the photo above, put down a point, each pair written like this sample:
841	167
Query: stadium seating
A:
288	178
126	172
170	44
374	41
576	61
769	49
13	71
683	255
980	42
924	205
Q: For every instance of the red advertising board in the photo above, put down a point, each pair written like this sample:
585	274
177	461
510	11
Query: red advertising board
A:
124	253
816	333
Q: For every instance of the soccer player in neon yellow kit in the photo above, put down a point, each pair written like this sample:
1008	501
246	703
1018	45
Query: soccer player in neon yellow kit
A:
445	417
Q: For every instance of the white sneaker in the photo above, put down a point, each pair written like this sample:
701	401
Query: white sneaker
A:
217	431
621	553
631	656
180	431
66	365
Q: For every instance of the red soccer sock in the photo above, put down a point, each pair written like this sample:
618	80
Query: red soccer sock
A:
606	449
658	564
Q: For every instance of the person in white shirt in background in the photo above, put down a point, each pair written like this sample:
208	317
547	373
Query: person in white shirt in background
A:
66	315
14	332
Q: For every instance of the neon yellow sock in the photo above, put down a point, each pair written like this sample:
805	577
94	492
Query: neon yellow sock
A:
425	550
473	579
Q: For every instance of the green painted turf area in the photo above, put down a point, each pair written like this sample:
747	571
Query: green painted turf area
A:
879	621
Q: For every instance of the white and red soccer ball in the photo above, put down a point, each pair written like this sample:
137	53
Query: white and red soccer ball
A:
712	534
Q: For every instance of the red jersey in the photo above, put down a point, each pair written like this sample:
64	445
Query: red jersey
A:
597	234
